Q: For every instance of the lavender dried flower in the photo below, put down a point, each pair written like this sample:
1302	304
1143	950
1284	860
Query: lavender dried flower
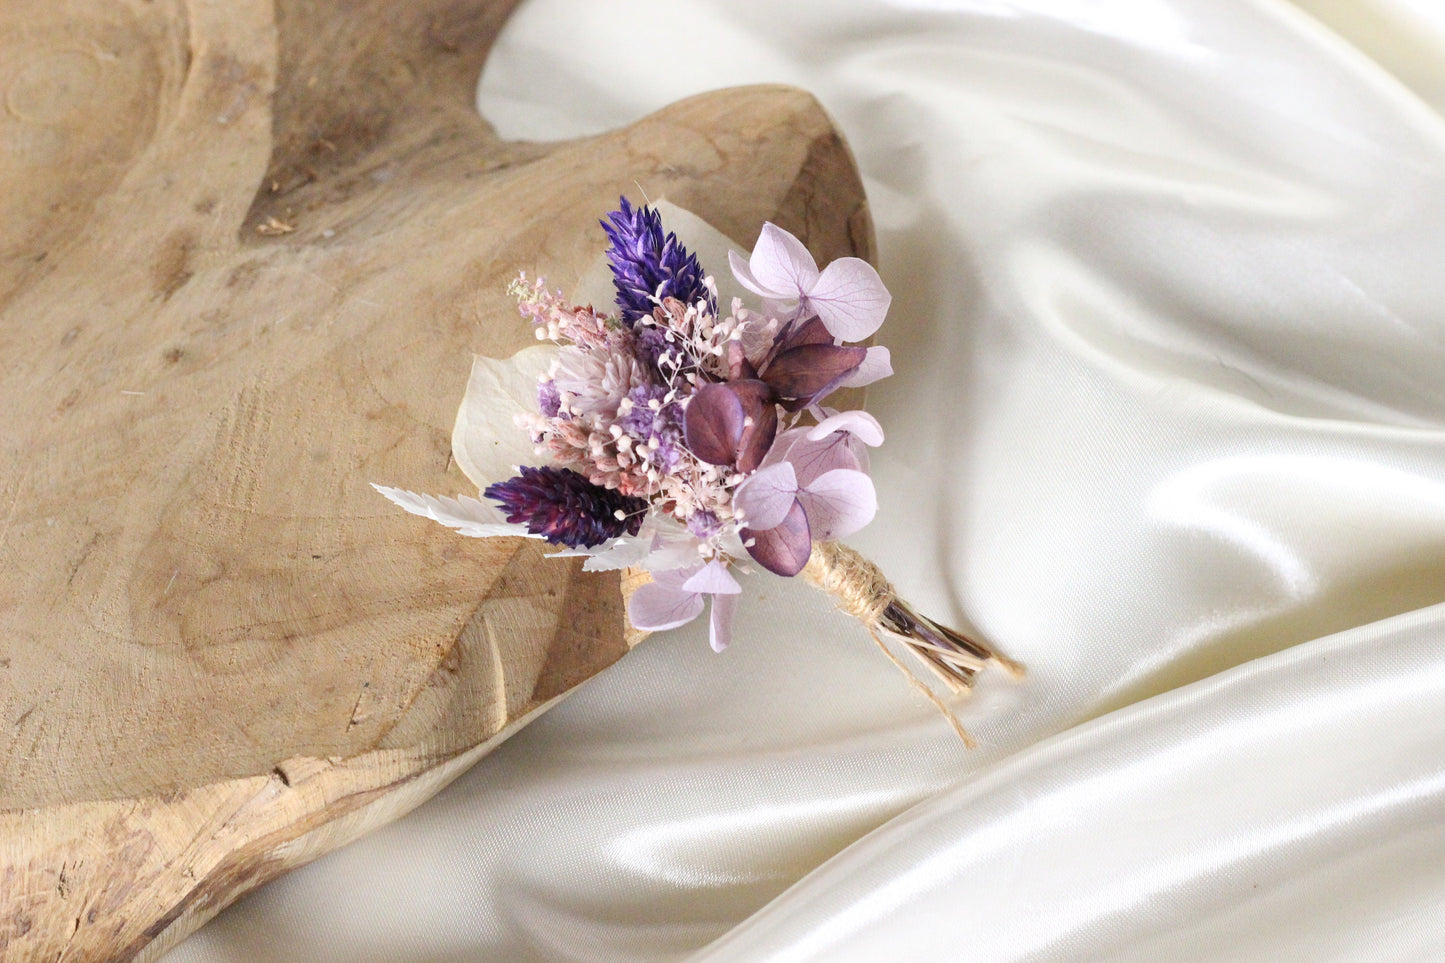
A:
549	399
651	346
655	423
648	266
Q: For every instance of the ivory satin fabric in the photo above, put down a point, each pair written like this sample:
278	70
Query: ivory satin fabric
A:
1168	426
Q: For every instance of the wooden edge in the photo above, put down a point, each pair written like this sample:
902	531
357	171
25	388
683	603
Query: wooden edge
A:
262	826
632	580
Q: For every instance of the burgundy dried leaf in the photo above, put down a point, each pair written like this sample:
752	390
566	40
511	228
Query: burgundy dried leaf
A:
811	370
758	437
813	331
761	426
752	393
783	550
713	424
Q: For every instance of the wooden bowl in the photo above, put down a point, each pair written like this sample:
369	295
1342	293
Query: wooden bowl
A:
247	250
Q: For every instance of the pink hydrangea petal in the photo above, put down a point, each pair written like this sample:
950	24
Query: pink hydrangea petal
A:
850	298
720	621
656	608
713	579
783	549
766	496
784	309
782	445
875	367
781	263
676	577
744	274
860	454
859	424
839	503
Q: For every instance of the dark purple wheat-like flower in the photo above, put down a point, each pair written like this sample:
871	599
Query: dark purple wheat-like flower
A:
647	264
565	508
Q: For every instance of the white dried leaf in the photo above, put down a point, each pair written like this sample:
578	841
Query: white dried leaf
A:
487	443
469	516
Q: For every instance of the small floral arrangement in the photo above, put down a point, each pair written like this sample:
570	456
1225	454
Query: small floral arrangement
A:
686	437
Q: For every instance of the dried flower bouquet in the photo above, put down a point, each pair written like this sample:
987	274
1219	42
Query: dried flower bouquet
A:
685	437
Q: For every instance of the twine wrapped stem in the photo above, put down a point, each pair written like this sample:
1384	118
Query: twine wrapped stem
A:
864	593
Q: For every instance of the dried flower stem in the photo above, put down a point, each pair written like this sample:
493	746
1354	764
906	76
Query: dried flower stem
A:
864	593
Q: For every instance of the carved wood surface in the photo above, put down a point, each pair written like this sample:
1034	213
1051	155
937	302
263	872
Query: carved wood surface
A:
246	252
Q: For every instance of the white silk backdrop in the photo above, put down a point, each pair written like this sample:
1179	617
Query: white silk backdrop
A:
1169	334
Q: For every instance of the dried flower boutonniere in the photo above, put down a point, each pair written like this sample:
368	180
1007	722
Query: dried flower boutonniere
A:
684	434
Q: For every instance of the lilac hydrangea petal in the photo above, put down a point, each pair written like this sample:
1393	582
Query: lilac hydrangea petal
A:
810	370
877	365
713	424
720	621
859	424
850	298
676	577
784	548
783	444
784	309
811	458
655	607
766	496
713	579
781	263
839	503
744	274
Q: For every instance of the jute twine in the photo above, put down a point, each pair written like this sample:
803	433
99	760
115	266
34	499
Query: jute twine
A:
861	590
859	586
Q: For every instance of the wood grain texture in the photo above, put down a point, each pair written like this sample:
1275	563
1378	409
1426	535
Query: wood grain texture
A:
246	252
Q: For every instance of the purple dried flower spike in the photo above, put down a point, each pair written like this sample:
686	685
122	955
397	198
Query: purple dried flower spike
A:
565	508
648	266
